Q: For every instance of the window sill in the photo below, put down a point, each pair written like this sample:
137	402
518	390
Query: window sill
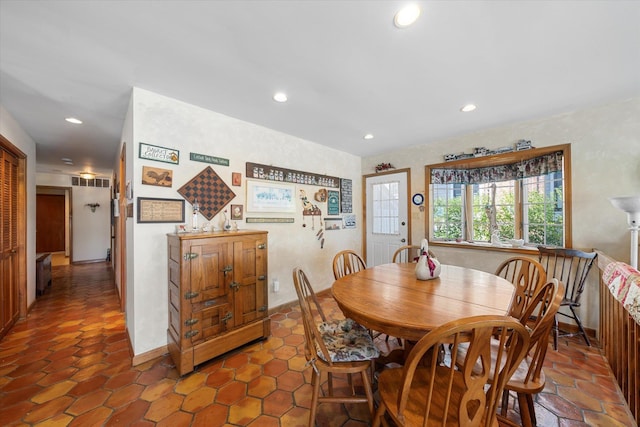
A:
529	250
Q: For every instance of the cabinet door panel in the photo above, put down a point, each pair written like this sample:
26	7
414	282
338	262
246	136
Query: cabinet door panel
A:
250	275
211	321
208	277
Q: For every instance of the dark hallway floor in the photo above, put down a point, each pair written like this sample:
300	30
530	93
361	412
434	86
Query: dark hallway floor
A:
69	364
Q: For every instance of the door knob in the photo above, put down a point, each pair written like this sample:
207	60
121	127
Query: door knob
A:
403	240
403	223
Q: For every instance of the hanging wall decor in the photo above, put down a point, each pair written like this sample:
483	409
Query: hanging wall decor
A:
209	190
346	191
159	154
157	176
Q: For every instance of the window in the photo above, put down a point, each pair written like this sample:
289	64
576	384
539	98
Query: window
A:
386	197
517	195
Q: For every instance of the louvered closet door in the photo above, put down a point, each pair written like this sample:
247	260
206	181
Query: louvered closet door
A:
9	309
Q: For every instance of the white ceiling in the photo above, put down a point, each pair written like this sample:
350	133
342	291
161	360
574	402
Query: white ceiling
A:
346	69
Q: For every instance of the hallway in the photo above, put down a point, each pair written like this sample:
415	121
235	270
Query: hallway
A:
69	364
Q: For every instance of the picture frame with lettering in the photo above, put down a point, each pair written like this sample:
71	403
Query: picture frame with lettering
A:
153	210
159	154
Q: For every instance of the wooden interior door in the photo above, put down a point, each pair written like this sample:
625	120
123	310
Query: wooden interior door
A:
50	223
9	303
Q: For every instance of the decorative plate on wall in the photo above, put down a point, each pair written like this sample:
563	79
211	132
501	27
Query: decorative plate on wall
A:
210	190
418	199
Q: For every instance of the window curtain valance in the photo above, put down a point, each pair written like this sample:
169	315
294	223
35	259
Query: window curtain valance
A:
535	166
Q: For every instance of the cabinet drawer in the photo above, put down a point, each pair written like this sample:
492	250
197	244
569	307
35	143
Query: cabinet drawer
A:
209	322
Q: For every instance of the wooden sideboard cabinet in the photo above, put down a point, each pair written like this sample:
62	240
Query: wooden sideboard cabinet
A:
217	294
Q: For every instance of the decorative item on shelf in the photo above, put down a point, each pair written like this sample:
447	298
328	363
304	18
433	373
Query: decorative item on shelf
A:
480	151
93	206
523	145
194	217
428	266
384	166
226	225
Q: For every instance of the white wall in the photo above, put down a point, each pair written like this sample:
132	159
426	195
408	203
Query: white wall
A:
605	155
166	122
12	131
91	231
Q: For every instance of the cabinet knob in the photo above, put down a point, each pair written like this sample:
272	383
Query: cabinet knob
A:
262	246
235	286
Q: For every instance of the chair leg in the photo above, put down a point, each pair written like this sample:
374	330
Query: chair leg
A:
526	411
582	331
555	332
505	403
532	410
315	380
379	415
367	391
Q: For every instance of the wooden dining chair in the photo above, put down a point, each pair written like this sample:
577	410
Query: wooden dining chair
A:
527	276
430	390
333	347
407	253
571	267
529	378
347	262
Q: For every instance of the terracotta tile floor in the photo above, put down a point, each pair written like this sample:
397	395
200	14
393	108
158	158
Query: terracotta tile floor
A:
69	363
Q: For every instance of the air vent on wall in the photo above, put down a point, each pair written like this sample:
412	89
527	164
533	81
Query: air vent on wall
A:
96	182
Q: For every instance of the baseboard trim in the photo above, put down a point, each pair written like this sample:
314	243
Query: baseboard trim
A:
294	303
149	355
573	329
88	261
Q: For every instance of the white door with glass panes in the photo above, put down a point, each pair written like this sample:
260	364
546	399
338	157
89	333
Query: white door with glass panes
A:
387	219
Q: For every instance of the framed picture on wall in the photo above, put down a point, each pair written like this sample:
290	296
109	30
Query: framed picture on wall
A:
236	212
157	176
265	196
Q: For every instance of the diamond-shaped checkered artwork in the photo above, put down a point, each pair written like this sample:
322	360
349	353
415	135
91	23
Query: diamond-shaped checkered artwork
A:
211	192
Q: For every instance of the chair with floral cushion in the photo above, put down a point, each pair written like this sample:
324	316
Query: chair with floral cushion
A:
333	347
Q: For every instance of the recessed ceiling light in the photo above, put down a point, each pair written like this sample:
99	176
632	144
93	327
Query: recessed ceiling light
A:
74	120
407	16
66	159
368	136
280	97
467	108
68	163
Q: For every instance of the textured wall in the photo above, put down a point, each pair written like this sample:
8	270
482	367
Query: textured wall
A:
605	154
165	122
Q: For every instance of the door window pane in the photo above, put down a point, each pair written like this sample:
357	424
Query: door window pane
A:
386	208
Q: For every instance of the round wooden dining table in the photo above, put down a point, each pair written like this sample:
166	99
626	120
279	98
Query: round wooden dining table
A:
388	298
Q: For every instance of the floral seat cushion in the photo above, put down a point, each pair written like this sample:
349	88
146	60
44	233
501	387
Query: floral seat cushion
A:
347	341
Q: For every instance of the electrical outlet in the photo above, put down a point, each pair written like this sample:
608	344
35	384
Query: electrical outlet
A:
276	285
